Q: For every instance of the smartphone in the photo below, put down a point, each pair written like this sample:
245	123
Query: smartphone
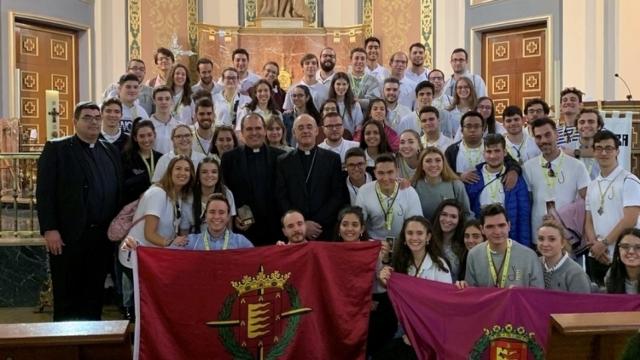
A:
551	207
390	240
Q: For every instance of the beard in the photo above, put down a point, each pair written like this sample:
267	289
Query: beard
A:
327	66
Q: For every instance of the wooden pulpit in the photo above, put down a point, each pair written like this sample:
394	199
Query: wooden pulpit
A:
591	336
72	340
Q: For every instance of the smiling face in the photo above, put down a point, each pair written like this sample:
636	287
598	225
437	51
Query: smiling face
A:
424	97
253	131
274	134
182	139
485	108
379	111
180	77
181	173
309	67
205	71
371	135
89	124
224	142
386	175
240	62
294	227
432	165
409	145
416	236
546	138
299	97
205	117
356	168
429	123
351	228
550	242
263	94
208	175
463	88
327	59
449	218
128	91
390	92
217	216
270	73
513	124
111	115
416	55
145	137
305	130
570	104
340	86
373	50
358	60
587	125
629	248
472	237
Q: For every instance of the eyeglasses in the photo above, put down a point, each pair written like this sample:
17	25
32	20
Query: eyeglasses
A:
608	149
550	171
472	127
181	137
356	165
628	247
335	126
89	118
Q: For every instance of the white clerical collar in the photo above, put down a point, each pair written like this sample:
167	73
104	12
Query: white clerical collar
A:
111	138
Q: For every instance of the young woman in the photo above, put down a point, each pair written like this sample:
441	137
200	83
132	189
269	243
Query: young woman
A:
261	103
488	111
224	139
416	255
217	235
348	107
378	112
139	160
624	275
373	141
408	159
271	70
302	104
351	226
464	99
473	234
560	271
434	181
329	106
180	84
209	181
182	139
277	134
448	233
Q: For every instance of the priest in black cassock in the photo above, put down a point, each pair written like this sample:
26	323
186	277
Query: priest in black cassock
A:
310	180
78	194
249	172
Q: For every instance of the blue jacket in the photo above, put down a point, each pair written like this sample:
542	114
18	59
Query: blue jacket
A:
516	202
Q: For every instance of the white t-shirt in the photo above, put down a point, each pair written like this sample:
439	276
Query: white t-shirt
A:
570	176
380	73
396	116
524	151
319	93
353	190
163	163
499	130
201	145
407	93
406	204
442	143
619	190
340	149
429	271
493	191
415	77
224	110
468	158
129	114
353	121
246	83
163	143
156	202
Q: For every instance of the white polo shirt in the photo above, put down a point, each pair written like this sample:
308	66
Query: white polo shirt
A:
468	158
618	190
524	151
163	143
340	149
380	73
570	176
224	109
319	93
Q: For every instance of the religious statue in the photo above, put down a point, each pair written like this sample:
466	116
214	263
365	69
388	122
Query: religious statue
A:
285	9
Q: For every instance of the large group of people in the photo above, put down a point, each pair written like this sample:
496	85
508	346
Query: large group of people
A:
406	156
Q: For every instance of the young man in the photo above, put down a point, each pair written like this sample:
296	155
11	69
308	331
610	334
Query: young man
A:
536	109
164	60
355	161
385	205
588	124
417	72
612	204
203	133
372	46
500	261
137	68
310	179
570	106
364	86
246	78
163	120
294	228
398	64
327	66
490	190
111	112
519	144
229	100
333	131
395	111
424	97
554	179
459	62
205	71
430	124
441	100
464	155
128	90
319	92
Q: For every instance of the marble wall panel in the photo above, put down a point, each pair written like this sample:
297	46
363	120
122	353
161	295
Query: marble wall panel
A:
24	271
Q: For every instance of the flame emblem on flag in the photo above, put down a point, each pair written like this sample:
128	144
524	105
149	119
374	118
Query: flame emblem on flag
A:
264	323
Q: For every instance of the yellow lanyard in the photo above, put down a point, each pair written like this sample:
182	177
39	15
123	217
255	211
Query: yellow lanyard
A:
151	165
388	210
551	183
356	85
492	183
504	267
473	156
205	238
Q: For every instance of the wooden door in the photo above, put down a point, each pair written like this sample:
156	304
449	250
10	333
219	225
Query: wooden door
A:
46	57
513	63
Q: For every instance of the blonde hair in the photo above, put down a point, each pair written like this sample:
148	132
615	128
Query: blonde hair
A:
566	247
447	173
166	182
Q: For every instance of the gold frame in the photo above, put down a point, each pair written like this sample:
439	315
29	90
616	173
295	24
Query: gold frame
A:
552	87
47	20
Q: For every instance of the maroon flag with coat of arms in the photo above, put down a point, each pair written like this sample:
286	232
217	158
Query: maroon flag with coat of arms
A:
307	301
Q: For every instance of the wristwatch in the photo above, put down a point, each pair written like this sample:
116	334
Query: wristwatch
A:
576	153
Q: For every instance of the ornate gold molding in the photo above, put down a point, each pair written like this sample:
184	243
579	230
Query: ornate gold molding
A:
367	17
251	12
134	19
426	30
192	23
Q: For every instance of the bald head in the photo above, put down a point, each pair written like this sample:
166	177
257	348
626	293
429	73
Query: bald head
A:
305	131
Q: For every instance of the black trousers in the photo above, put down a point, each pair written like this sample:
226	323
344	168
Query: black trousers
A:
596	270
383	324
78	276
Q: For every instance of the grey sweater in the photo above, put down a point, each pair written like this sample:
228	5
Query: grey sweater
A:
568	277
525	270
431	196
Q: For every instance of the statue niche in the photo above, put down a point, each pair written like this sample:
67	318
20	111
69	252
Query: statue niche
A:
285	9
